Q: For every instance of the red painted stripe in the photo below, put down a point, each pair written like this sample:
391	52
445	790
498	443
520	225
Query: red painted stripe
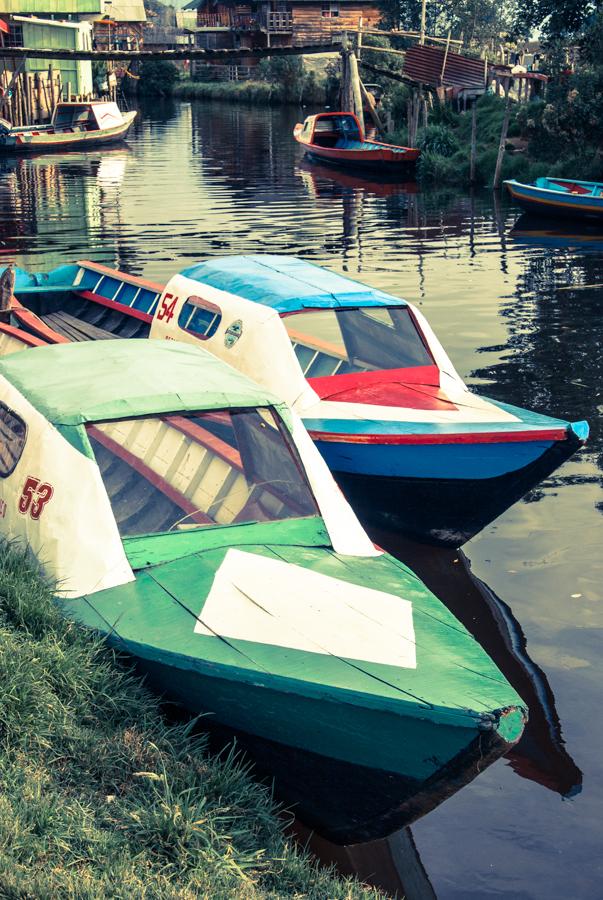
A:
28	318
482	437
120	276
206	439
23	336
156	480
113	304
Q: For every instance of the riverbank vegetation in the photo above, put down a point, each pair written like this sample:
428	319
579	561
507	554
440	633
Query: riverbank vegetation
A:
101	797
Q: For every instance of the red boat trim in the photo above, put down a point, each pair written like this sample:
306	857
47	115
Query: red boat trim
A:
206	439
23	336
156	480
48	335
481	437
113	304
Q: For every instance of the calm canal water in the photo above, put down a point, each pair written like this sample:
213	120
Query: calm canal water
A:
514	310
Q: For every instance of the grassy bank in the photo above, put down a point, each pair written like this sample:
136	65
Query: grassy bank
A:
256	92
446	143
101	798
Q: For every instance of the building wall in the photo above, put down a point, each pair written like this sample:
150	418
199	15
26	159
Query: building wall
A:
46	34
309	23
44	8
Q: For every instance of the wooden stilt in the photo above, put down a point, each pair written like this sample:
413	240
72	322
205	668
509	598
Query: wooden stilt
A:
356	92
473	141
372	110
503	134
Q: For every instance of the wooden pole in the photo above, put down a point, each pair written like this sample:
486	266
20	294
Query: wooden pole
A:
443	72
503	134
51	86
356	92
423	14
473	141
359	39
372	110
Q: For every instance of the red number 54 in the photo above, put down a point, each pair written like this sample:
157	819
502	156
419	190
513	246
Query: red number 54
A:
166	310
34	496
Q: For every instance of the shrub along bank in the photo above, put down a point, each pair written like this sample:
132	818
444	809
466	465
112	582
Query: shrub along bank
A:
99	797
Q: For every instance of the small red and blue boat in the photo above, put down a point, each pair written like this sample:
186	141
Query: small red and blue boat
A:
559	197
337	138
410	445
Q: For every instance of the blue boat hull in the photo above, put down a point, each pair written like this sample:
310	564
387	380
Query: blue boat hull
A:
440	508
548	203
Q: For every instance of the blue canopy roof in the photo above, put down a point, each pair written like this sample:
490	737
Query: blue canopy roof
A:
286	283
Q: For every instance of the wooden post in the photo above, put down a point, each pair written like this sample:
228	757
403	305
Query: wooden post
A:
503	134
372	110
422	34
68	96
359	41
51	87
38	83
356	92
473	140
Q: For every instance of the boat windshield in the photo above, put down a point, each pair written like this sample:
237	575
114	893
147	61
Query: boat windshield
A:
341	341
176	472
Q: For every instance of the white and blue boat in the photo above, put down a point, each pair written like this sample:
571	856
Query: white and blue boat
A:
559	197
409	444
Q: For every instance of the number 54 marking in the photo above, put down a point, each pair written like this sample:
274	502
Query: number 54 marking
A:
34	497
166	310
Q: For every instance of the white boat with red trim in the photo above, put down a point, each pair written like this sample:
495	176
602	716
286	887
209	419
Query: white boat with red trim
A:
74	126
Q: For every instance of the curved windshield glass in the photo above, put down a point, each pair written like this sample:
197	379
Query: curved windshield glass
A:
340	341
174	472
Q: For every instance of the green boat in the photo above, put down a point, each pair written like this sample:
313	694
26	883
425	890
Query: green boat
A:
187	516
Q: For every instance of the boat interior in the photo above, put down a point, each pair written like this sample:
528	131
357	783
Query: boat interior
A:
335	130
584	188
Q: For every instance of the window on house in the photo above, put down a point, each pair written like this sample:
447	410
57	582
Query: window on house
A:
330	10
13	432
15	37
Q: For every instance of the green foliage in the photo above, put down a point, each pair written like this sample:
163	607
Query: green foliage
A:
256	92
158	77
437	139
99	797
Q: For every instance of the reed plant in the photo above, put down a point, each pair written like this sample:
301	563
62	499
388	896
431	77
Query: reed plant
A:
101	797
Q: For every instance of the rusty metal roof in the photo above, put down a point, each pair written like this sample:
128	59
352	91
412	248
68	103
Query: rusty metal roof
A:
425	64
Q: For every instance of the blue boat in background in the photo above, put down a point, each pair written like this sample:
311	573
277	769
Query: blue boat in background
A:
559	197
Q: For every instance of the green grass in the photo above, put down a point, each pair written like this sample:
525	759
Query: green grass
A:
101	797
257	92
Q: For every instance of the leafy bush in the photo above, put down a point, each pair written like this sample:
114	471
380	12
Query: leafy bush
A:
437	139
158	77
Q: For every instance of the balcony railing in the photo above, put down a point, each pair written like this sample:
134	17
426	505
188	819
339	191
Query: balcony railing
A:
270	21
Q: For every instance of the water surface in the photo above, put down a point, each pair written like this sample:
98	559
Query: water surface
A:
519	311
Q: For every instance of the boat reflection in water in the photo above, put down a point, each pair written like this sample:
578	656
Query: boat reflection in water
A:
339	805
535	231
314	177
540	754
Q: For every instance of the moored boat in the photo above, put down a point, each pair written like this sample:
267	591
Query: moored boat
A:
560	197
409	444
74	126
185	515
337	138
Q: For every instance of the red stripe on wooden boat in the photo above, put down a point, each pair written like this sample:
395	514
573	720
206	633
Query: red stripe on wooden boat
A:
120	276
206	439
156	480
28	318
482	437
113	304
23	336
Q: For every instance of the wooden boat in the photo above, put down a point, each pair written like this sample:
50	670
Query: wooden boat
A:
560	197
409	444
186	515
337	138
74	126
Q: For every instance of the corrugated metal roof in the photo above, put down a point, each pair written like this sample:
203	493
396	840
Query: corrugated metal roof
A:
425	64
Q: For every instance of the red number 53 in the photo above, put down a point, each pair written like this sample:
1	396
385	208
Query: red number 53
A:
34	496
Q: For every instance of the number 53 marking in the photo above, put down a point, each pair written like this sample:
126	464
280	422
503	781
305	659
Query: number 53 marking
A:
34	497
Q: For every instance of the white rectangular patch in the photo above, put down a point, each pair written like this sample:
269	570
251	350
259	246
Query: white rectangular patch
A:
268	601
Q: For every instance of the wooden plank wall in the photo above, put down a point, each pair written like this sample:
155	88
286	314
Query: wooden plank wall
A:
34	96
309	25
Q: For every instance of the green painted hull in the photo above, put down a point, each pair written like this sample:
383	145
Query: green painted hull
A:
412	722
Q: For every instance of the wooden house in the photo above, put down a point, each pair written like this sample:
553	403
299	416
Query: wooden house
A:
278	23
